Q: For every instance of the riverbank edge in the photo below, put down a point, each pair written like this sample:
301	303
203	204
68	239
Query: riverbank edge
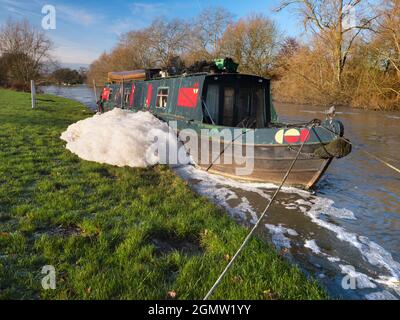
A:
116	233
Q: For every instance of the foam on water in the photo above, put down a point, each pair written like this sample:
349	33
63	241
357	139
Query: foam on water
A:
315	249
392	117
390	282
278	234
315	207
216	188
325	207
312	245
371	251
333	259
380	295
324	112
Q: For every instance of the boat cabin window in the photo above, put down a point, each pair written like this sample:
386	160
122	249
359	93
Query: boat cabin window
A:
162	97
250	108
235	106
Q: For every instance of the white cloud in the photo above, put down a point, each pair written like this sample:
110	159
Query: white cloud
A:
76	15
123	25
148	10
141	16
19	8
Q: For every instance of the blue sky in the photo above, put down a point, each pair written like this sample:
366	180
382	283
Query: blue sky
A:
87	28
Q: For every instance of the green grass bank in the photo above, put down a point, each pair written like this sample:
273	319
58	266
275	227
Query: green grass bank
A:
115	233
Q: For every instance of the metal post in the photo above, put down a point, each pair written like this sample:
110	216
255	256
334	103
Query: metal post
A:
122	93
33	94
94	89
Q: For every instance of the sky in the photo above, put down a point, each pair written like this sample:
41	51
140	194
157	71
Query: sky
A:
87	28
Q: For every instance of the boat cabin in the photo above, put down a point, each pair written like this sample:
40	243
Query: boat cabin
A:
225	99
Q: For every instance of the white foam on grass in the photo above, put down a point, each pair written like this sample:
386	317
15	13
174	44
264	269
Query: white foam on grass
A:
120	138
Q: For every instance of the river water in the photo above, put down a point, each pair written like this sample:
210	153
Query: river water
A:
347	232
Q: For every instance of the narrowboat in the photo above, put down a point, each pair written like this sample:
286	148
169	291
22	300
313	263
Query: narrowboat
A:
223	100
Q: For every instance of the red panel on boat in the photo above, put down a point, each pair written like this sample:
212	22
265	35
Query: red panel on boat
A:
304	135
132	95
149	94
188	97
106	94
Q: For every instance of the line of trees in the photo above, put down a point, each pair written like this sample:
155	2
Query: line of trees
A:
252	42
67	76
351	55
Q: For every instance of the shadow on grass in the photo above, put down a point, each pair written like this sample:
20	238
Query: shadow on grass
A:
165	242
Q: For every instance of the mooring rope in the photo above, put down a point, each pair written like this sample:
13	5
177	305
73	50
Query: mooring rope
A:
380	160
246	240
226	148
366	152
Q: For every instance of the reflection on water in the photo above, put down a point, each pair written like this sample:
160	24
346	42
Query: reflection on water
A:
350	225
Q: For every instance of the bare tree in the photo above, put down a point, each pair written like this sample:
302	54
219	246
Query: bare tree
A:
99	69
158	45
24	50
168	39
388	34
137	46
331	21
386	46
287	49
209	29
253	43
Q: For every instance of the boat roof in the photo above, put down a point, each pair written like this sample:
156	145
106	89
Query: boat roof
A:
207	74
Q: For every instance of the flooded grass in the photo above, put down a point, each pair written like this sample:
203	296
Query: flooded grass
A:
115	233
